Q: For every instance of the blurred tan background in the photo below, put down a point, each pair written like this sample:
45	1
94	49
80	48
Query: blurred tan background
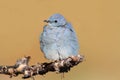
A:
97	24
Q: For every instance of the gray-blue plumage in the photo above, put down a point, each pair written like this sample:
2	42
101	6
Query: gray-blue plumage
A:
58	39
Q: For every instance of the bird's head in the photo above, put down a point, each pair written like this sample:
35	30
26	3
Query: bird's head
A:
56	20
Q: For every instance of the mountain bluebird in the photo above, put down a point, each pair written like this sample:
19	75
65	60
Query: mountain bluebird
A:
58	39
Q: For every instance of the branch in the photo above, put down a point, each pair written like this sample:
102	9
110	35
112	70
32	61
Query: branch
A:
21	67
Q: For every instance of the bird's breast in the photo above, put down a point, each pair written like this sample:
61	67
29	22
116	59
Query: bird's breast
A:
52	35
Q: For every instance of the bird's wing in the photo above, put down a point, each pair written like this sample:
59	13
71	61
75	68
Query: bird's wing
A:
69	26
73	41
72	31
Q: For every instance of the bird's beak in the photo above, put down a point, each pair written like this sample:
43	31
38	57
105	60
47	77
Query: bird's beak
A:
47	21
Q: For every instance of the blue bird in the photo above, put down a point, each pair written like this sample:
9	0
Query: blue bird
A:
58	39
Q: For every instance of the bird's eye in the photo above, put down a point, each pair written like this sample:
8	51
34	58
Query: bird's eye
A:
55	21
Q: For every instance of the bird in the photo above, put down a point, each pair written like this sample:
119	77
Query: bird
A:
58	40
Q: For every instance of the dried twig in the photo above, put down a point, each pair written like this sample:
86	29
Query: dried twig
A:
21	67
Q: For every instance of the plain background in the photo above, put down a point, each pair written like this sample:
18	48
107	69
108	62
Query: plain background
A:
97	25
